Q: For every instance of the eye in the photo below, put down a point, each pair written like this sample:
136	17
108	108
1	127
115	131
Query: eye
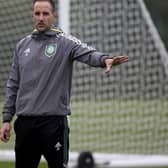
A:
37	13
45	13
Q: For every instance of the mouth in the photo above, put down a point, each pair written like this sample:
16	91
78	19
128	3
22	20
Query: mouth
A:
41	25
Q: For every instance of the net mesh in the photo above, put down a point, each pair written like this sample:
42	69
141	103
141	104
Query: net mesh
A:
15	22
125	112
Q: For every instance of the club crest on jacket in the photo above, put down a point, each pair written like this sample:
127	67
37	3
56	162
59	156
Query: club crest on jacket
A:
50	50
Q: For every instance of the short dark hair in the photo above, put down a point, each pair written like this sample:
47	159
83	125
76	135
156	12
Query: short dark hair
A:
50	1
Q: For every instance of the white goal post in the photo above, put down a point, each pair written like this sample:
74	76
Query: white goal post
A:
63	13
159	43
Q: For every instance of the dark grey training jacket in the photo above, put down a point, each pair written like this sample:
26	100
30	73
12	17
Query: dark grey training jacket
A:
41	74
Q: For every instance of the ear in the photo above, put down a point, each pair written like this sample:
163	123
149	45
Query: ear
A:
32	13
32	18
55	15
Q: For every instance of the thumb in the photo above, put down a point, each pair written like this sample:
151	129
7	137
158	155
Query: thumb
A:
108	68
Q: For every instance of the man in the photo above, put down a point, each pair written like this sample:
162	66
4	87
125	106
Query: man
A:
39	87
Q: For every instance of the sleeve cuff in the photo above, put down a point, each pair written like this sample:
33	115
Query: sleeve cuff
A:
6	117
103	58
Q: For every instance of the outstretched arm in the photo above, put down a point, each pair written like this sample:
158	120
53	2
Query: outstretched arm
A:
109	62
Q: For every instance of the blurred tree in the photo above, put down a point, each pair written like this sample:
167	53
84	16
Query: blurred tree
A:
159	13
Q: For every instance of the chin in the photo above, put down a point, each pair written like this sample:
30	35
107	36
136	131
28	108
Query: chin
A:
41	29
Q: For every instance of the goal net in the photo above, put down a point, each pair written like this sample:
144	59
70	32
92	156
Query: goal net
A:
123	115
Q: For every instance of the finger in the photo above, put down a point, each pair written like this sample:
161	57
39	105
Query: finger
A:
0	135
120	60
124	58
7	135
108	68
4	136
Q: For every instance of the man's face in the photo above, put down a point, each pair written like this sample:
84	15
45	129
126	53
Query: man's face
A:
43	15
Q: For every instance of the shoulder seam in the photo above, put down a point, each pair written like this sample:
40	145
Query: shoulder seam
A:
26	37
77	41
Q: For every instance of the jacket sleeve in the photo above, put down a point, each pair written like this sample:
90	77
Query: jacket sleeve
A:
86	54
11	91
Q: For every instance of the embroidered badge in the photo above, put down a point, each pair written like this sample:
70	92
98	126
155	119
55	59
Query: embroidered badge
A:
50	50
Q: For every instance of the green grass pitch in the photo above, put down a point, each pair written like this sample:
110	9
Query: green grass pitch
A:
126	126
12	165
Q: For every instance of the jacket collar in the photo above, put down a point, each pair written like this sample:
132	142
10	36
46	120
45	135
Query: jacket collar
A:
44	35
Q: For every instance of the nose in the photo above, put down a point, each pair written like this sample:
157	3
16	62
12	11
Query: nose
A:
41	17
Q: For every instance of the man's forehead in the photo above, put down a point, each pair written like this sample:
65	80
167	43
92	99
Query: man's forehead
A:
43	5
